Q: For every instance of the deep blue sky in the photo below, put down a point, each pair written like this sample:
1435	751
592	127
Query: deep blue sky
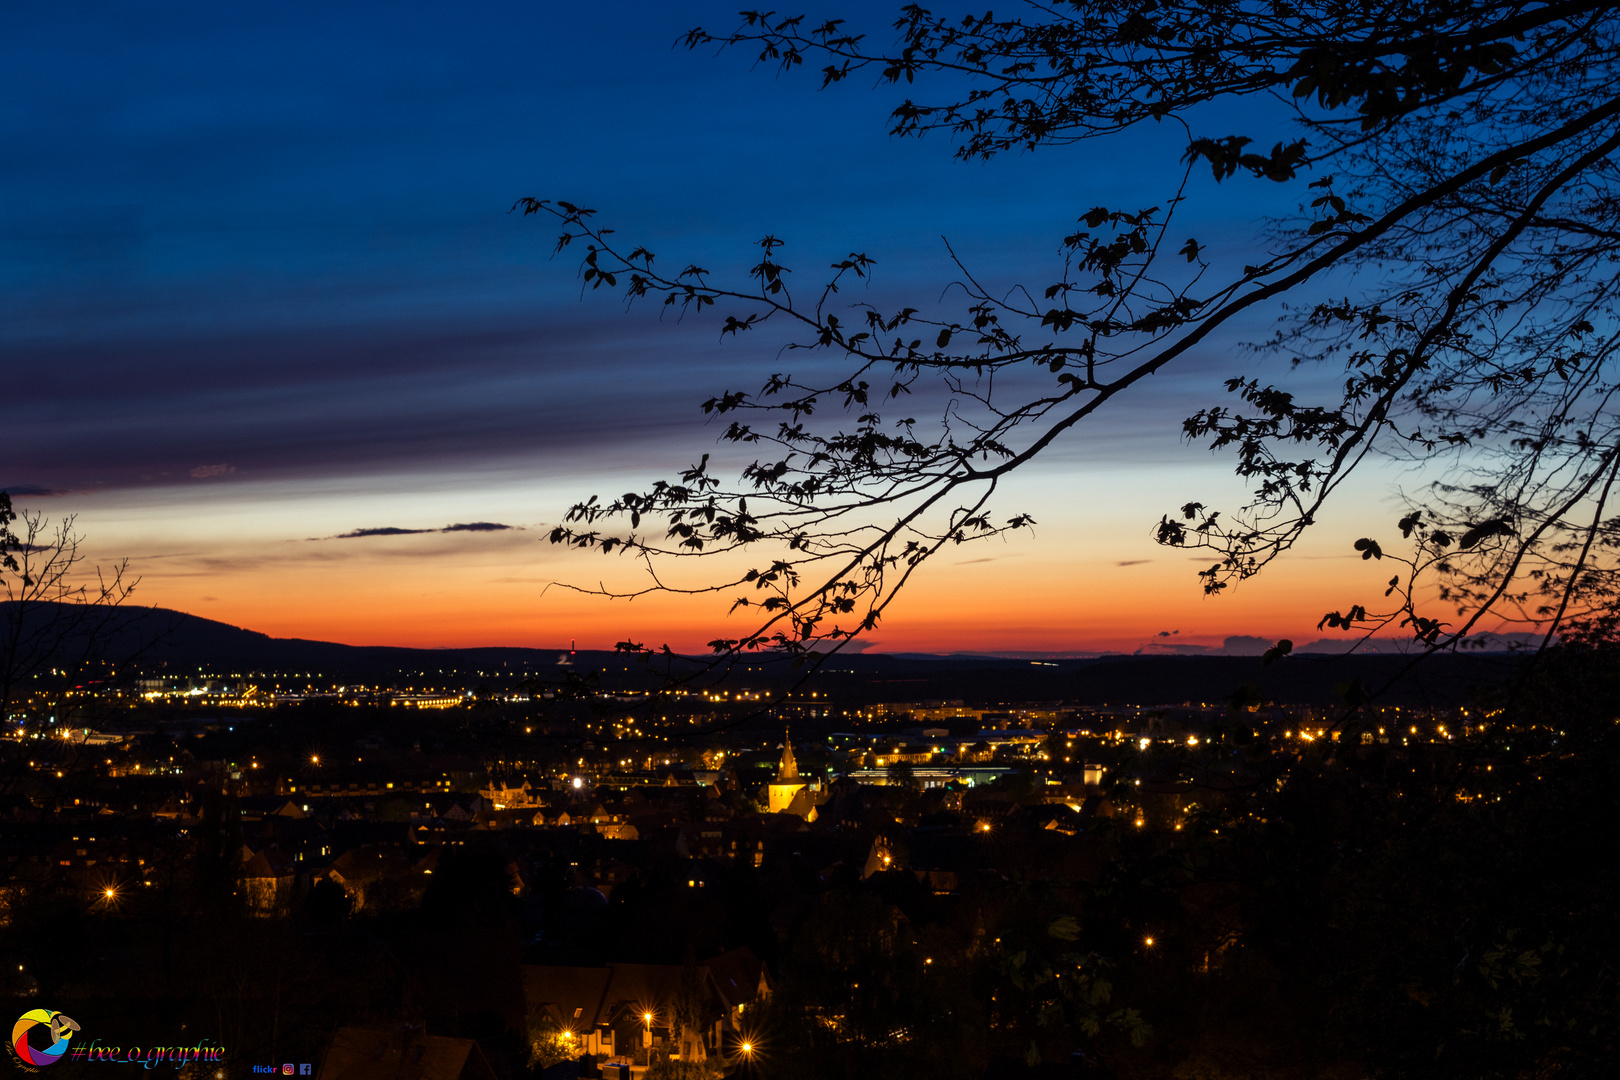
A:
276	235
260	256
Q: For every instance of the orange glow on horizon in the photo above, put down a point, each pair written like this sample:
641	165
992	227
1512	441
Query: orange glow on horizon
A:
279	560
1023	605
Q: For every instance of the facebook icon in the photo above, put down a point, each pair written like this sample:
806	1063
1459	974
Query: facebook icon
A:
305	1070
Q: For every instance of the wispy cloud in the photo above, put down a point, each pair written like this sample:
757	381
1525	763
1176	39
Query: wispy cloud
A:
33	491
394	530
477	526
386	530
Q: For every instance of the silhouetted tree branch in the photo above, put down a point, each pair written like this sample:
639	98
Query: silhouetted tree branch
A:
1462	200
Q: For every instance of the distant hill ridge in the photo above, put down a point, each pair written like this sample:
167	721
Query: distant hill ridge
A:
173	642
154	636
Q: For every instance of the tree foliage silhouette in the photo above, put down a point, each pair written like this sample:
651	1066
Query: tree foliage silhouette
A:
1448	253
56	622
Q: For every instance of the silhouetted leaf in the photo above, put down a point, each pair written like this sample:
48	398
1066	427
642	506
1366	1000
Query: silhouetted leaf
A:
1369	549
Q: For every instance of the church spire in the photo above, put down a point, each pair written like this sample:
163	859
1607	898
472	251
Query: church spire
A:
789	769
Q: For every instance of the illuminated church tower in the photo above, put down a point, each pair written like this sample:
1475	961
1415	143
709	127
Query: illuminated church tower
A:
787	783
788	771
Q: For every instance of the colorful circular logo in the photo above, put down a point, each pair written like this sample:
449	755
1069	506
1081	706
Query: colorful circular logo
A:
61	1030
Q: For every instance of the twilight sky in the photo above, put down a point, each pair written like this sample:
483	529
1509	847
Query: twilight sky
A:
259	289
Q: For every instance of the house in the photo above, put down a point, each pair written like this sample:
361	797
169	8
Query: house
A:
739	978
267	882
504	819
377	875
879	859
1057	818
567	999
506	797
621	1010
